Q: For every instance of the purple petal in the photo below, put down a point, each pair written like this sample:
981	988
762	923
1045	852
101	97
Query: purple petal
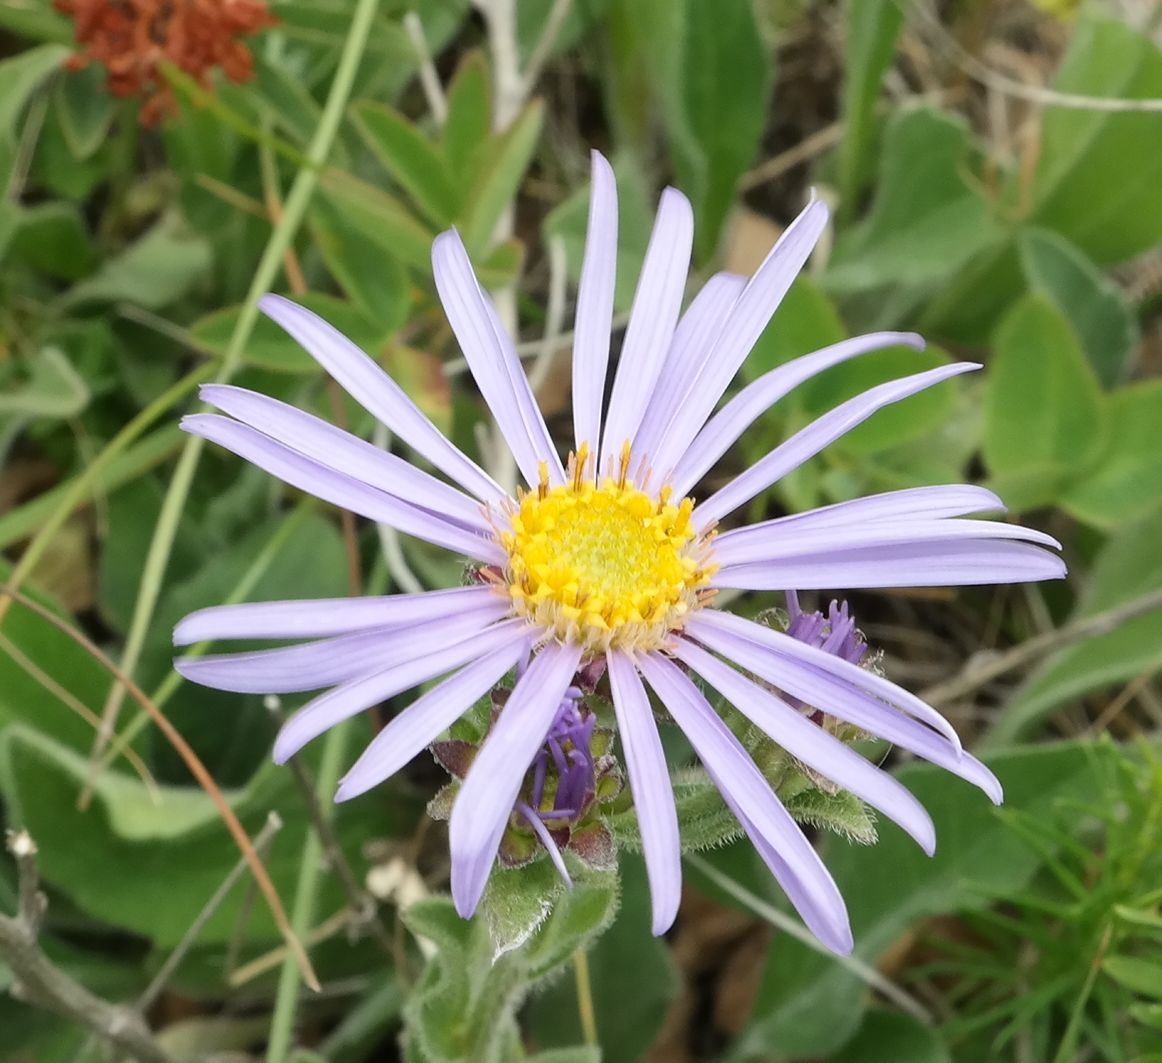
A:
693	341
345	701
789	542
932	564
339	489
494	363
778	838
649	781
319	617
750	315
790	648
424	720
934	503
656	305
593	322
806	443
378	394
315	665
755	399
846	702
486	799
345	453
812	745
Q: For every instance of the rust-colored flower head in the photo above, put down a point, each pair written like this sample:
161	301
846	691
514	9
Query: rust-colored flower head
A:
132	38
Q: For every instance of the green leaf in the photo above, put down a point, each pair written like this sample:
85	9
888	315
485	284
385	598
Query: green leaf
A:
372	278
53	389
1043	408
723	93
1096	181
517	901
644	70
927	218
870	31
53	238
20	76
891	1035
808	1004
580	915
704	820
413	160
498	170
469	120
271	348
84	109
841	812
1126	480
1129	565
1104	322
156	270
51	653
1136	974
382	218
283	97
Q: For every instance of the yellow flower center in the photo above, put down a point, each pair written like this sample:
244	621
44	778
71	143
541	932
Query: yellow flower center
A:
604	565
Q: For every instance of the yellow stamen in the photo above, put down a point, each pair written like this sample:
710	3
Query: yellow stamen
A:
606	565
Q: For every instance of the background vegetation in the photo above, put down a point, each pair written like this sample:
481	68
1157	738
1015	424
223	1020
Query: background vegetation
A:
996	174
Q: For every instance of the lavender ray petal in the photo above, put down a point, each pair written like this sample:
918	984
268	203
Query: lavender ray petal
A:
755	399
649	782
318	617
653	316
493	782
742	328
789	542
939	564
693	342
807	442
345	701
934	503
534	820
819	913
788	648
424	720
315	665
594	318
797	866
492	359
847	702
812	745
345	453
339	489
378	394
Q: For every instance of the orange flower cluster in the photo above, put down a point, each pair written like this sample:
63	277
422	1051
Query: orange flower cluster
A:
132	38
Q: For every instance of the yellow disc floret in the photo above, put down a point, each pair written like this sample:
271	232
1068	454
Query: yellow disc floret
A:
604	565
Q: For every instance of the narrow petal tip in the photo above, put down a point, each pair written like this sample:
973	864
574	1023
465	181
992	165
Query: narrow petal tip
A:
272	304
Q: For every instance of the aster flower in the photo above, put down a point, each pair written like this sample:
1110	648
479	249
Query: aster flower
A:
608	556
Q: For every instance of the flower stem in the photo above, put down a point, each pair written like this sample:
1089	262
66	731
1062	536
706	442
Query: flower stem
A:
585	997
